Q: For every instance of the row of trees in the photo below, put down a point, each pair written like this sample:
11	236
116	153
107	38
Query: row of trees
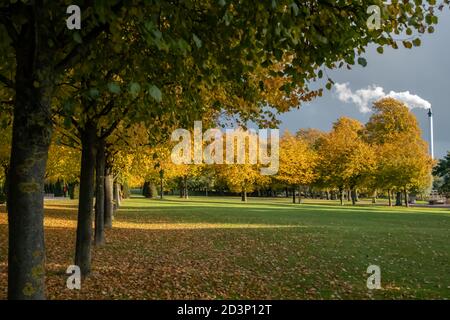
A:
145	67
386	155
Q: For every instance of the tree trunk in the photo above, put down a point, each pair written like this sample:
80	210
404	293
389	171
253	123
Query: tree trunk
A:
6	185
109	211
341	196
353	196
405	192
181	187
85	207
327	194
32	131
99	237
398	200
244	196
116	196
390	197
185	188
293	195
299	194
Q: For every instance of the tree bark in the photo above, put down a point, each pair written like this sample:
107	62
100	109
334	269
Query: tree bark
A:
244	195
116	195
390	197
299	194
185	188
99	236
398	200
109	208
354	196
85	207
32	131
405	192
293	195
341	196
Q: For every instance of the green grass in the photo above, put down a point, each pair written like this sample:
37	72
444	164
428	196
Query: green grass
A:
313	250
220	248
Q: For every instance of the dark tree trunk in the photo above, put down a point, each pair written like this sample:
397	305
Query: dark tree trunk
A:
341	196
85	207
390	197
109	207
150	190
6	184
405	193
244	196
299	194
398	200
185	188
354	196
293	195
32	131
287	192
333	195
181	187
31	139
99	237
116	195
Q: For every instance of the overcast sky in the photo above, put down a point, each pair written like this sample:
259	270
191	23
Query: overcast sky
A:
424	71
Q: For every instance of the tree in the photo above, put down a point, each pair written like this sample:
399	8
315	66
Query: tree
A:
297	163
346	161
403	162
442	170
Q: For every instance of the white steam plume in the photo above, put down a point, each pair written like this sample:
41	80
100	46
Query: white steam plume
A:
364	97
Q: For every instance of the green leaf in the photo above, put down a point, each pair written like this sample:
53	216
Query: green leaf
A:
197	41
155	93
67	123
77	37
134	89
94	93
380	50
362	61
113	87
320	74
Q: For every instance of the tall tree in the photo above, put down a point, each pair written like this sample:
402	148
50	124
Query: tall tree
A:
345	159
403	162
297	163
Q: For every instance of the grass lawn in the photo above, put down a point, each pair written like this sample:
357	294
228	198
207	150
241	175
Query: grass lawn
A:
213	248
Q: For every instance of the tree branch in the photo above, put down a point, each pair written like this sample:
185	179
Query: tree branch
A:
110	130
80	49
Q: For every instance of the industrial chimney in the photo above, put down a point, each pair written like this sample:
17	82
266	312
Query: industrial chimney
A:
430	116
